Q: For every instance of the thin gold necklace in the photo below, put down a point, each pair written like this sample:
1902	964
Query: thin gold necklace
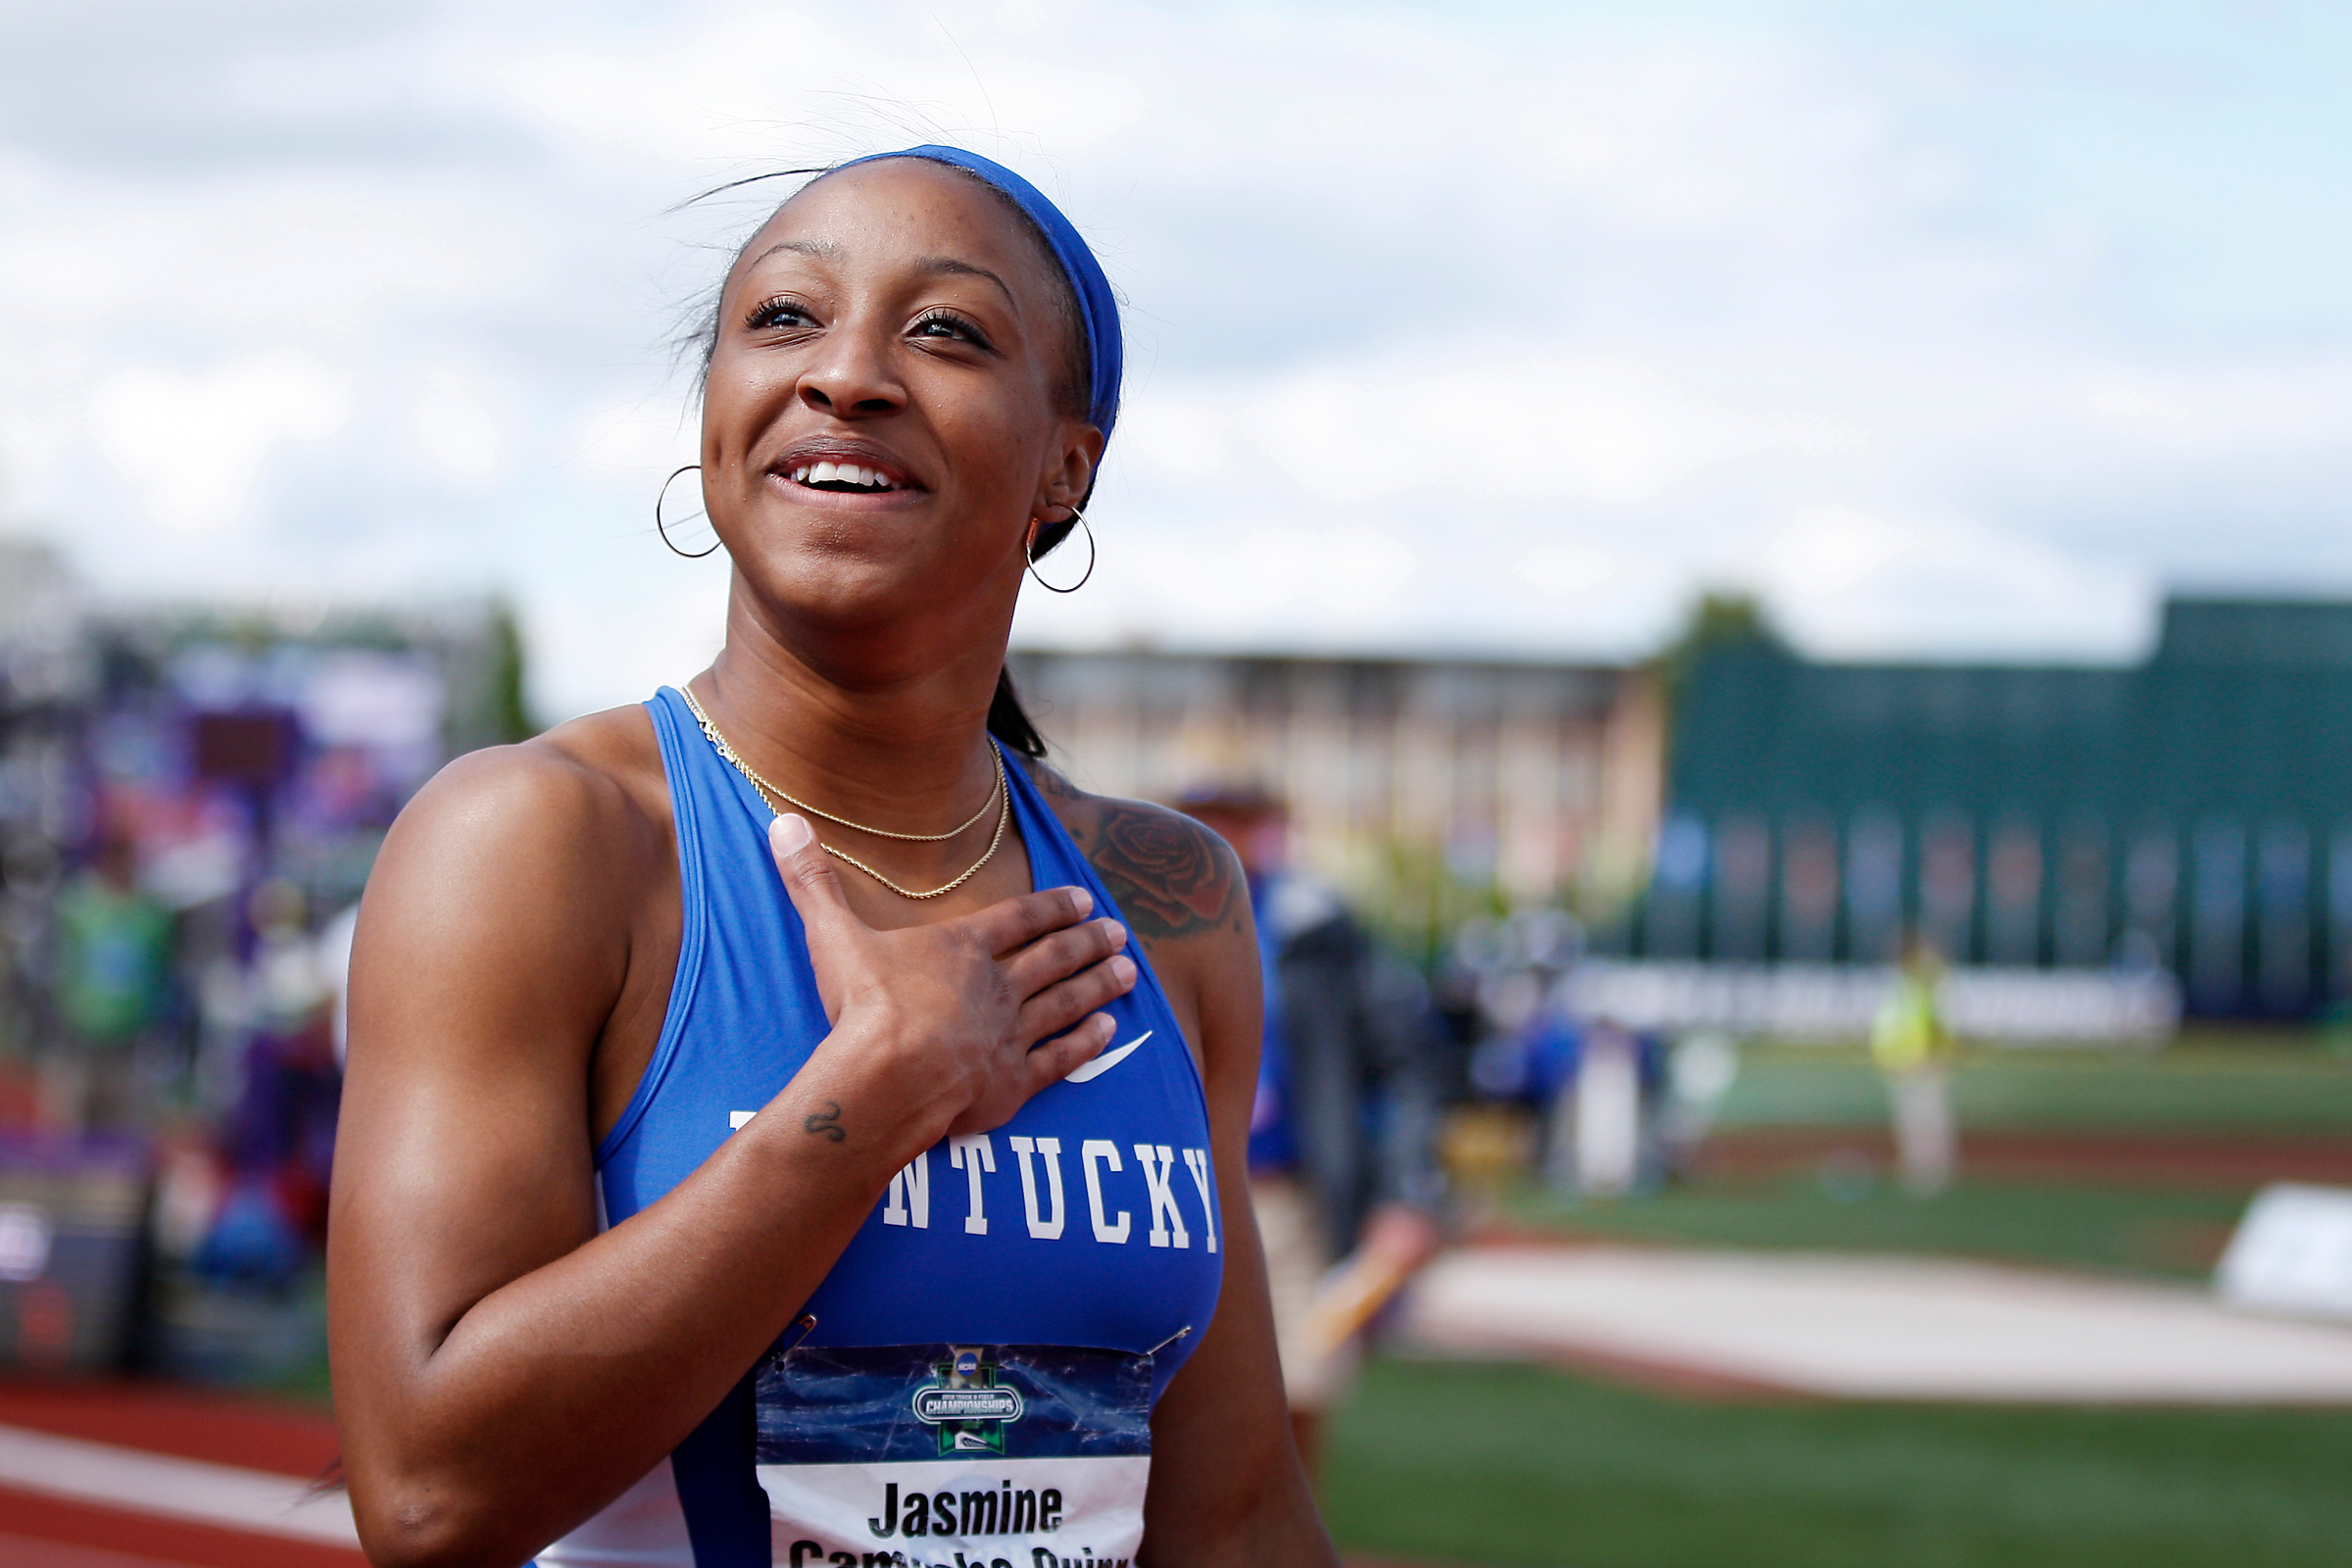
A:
1001	797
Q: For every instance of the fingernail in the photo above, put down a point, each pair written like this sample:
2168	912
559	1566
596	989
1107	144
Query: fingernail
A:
790	834
1084	900
1124	968
1116	932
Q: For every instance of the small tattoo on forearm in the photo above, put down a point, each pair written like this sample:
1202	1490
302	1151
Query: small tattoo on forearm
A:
827	1125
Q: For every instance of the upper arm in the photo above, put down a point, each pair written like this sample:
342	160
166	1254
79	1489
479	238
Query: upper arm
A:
490	947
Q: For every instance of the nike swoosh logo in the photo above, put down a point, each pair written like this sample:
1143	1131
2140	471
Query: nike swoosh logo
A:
1108	1060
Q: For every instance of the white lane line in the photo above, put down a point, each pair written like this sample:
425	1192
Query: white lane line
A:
137	1482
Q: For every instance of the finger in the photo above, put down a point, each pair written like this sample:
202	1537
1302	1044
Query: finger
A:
1059	955
1059	1006
809	877
1014	924
1055	1060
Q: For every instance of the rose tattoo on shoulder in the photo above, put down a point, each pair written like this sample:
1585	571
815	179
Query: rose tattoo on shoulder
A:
1166	872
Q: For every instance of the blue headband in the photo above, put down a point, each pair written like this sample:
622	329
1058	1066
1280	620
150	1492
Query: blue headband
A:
1098	311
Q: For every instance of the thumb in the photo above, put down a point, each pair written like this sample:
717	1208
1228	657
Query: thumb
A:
808	876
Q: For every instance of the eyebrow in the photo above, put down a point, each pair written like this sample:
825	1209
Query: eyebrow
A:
936	266
826	250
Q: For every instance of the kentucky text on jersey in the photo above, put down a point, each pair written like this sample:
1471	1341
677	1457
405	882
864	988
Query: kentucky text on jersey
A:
908	1202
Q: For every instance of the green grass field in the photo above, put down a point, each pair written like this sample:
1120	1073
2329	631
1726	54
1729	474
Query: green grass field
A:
1454	1462
2210	1085
2160	1232
1524	1467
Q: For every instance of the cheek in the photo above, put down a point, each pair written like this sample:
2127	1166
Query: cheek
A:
994	429
739	401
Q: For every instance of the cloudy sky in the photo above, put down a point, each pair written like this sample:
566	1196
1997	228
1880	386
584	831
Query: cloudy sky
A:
1953	330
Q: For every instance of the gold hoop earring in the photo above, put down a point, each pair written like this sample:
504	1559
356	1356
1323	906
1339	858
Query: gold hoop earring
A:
1029	553
658	497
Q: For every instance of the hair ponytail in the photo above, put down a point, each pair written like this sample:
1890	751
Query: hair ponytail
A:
1010	723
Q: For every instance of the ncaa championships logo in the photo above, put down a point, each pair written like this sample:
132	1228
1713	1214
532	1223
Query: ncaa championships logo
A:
966	1403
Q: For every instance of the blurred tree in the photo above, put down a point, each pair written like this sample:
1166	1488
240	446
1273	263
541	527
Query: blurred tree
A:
1722	619
509	709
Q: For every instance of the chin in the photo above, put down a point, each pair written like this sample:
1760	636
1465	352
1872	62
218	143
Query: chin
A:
846	590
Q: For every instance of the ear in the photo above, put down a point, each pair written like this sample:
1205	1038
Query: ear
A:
1072	473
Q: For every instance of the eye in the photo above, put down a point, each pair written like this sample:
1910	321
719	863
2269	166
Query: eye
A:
777	314
940	322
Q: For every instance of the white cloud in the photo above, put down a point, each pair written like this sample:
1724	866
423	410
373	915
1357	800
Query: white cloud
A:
1445	330
456	426
193	445
1857	585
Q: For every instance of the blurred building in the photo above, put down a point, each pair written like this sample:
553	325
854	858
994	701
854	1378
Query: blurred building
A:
2193	813
1432	788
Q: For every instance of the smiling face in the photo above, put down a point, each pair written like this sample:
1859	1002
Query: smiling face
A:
886	408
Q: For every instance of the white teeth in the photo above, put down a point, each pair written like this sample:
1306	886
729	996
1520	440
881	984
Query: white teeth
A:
841	473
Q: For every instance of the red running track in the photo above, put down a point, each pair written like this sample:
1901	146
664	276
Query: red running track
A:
43	1526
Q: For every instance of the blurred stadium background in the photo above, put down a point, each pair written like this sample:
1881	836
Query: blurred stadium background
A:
1995	355
1706	852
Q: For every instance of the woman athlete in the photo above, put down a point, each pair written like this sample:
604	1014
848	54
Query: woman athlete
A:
763	1141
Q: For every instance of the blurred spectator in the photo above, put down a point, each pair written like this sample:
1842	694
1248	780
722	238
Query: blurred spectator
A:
113	974
1342	1171
278	1141
1914	1050
1602	1114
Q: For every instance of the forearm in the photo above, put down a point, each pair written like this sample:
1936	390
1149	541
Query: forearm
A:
559	1388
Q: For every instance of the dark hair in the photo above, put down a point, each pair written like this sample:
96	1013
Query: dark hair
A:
1008	720
1010	723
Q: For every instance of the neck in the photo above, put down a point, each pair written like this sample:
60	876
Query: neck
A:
874	726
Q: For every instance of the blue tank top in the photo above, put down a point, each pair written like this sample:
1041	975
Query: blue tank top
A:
986	1353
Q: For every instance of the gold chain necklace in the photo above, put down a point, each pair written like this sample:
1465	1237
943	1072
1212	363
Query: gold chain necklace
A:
794	801
1001	797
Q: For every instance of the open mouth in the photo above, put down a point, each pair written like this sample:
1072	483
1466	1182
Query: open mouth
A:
843	478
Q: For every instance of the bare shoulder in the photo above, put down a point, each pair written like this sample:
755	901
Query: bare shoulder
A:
549	847
572	786
1174	879
518	898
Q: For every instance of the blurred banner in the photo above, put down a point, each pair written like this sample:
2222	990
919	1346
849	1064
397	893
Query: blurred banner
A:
1839	1001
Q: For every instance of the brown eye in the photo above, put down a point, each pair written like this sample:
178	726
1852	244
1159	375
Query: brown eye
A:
948	325
774	314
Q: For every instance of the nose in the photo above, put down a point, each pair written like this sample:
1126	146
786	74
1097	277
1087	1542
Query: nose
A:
853	375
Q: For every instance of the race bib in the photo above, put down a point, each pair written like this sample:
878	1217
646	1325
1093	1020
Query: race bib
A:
955	1456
